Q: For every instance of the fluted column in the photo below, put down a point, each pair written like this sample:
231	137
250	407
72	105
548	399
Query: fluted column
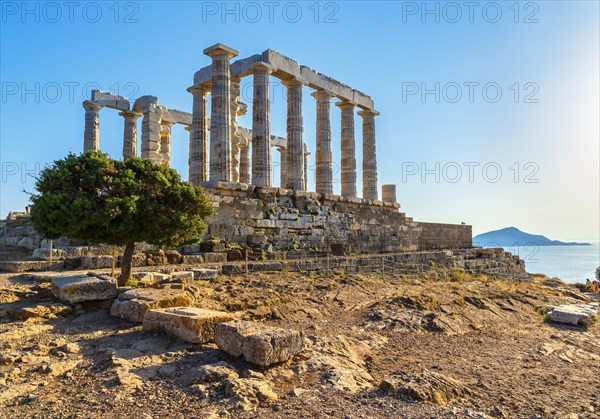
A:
324	172
244	146
189	129
306	154
220	121
91	132
198	158
348	150
282	167
369	155
295	135
235	109
388	193
165	143
129	133
261	126
151	133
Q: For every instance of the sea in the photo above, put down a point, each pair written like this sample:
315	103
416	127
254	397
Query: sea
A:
570	263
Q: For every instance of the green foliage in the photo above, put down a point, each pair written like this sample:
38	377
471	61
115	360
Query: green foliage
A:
100	200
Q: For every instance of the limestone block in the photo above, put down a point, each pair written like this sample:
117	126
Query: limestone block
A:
95	262
190	324
215	257
258	343
44	253
80	288
204	273
192	259
182	276
29	265
133	304
573	314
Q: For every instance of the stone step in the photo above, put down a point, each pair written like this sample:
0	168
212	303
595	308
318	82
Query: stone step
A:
133	304
191	324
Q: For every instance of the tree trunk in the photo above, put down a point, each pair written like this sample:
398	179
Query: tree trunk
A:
126	264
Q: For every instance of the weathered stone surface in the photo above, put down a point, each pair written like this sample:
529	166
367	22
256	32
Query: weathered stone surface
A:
182	276
29	265
133	304
80	288
192	259
44	253
259	344
573	314
208	373
190	324
204	273
426	386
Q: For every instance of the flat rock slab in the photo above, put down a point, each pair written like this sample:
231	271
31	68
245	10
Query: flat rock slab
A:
29	265
204	273
573	314
191	324
133	304
182	276
262	345
80	288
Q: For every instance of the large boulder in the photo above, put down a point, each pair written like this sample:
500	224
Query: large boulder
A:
80	288
257	343
191	324
133	304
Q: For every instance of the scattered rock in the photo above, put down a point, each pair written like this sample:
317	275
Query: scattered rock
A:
204	273
426	386
79	288
248	393
218	371
133	304
182	276
190	324
259	344
573	314
43	310
56	369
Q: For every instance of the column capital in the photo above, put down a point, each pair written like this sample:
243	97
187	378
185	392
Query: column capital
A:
262	67
218	50
198	90
293	82
130	114
322	95
344	104
366	113
88	105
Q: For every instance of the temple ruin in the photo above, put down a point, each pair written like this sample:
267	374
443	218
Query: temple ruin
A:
234	163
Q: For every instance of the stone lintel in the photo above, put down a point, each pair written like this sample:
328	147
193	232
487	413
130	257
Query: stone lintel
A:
176	116
110	100
220	49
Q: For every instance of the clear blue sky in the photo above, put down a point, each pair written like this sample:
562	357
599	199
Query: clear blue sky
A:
543	56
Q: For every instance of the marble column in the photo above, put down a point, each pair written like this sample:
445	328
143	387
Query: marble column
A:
295	136
190	129
369	155
165	143
282	167
244	146
261	125
198	159
324	172
220	121
235	111
348	171
306	154
388	193
151	133
129	133
91	133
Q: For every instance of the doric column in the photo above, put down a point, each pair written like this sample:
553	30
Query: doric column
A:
91	132
324	172
369	155
151	133
388	193
198	159
295	135
261	130
244	146
129	133
189	129
235	110
220	119
165	143
348	150
306	154
282	167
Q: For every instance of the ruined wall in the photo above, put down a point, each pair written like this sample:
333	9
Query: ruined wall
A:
444	236
306	220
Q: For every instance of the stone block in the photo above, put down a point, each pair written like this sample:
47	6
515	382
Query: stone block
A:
95	262
29	265
44	253
573	314
257	343
204	273
191	324
80	288
192	259
133	304
215	257
182	276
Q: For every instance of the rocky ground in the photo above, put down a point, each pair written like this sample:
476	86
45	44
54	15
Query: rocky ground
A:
399	346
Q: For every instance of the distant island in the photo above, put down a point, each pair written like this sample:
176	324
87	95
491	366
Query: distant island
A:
512	236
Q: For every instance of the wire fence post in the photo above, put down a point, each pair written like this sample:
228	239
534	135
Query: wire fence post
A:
328	265
114	259
50	251
382	268
246	266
